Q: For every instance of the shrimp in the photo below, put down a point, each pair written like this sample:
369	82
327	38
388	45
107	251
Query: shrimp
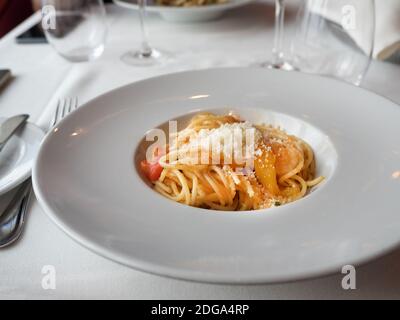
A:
287	157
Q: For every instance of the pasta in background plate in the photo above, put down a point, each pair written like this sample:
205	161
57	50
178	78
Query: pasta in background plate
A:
188	3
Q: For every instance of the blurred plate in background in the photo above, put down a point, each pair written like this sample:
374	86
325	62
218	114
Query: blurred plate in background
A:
186	14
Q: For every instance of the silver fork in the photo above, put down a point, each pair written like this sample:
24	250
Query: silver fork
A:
13	218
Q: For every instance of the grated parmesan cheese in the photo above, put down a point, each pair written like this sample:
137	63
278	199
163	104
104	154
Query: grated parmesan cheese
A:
235	141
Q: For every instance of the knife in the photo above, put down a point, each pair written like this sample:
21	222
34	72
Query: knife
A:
10	126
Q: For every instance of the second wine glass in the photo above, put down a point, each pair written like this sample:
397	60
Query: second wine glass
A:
335	38
278	60
145	55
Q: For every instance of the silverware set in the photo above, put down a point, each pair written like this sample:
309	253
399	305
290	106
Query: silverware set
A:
12	219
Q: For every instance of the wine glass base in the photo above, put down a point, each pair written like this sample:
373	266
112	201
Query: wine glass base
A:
286	66
141	59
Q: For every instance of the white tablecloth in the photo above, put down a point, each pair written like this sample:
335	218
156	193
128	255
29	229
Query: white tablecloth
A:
41	77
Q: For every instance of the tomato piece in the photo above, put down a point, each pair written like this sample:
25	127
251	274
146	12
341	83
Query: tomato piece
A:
155	171
151	170
145	167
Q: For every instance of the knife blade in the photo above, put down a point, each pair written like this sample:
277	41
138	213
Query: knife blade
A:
10	126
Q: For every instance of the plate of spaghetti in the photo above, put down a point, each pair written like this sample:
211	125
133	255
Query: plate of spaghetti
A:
229	175
186	10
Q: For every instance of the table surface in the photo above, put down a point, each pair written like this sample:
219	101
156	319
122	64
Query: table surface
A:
41	77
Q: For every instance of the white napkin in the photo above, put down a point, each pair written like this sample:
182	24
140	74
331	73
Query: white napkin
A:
387	33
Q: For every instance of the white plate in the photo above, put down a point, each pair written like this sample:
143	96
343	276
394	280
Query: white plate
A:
18	156
186	14
87	183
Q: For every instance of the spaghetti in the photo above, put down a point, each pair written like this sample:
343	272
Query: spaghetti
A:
222	163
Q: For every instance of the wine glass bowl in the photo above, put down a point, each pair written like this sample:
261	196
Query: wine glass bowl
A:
76	29
334	38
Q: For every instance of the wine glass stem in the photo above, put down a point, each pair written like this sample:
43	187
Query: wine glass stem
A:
277	51
146	49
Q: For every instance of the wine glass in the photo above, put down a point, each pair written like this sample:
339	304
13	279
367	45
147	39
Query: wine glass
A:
145	55
76	29
335	38
278	58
